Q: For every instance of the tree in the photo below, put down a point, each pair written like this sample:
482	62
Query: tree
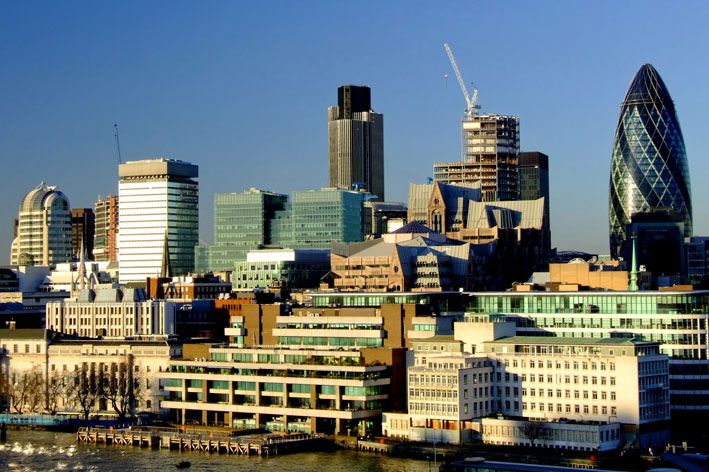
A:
85	387
25	391
122	389
55	388
534	430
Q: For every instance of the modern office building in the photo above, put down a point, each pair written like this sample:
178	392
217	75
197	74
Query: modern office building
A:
242	222
158	201
44	228
82	231
534	178
106	229
356	142
309	390
383	217
255	219
322	217
678	320
649	164
490	155
281	269
456	383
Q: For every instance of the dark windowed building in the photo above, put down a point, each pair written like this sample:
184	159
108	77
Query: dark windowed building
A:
356	142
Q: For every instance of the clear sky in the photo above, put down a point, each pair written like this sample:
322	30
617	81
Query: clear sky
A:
242	90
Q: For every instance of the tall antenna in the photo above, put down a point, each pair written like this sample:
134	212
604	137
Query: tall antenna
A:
118	142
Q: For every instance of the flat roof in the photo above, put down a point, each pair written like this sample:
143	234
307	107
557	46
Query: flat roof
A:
572	341
23	333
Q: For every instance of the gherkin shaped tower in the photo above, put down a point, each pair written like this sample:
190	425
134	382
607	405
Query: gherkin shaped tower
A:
649	165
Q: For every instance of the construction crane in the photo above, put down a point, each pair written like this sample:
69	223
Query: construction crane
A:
118	142
471	103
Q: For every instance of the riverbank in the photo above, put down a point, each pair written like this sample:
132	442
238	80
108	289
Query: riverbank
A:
50	451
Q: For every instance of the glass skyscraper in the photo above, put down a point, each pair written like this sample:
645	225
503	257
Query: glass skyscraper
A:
649	164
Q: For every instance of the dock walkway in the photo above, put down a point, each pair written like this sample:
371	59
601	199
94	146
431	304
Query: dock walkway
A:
202	441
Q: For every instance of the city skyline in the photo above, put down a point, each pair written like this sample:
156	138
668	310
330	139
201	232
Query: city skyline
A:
210	87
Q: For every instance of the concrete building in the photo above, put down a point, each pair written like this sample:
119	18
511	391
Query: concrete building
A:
188	287
43	228
112	313
678	320
584	379
158	199
106	229
601	390
490	153
56	359
356	142
412	258
295	389
579	274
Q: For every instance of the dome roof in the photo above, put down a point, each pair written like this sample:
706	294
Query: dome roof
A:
42	196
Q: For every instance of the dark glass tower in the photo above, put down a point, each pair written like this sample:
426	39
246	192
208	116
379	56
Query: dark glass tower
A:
649	165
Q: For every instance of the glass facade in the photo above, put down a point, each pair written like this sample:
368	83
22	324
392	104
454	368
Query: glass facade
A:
649	164
321	217
241	224
254	218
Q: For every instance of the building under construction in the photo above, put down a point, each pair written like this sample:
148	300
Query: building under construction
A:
490	153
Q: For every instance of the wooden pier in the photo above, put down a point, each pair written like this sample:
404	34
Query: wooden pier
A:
200	441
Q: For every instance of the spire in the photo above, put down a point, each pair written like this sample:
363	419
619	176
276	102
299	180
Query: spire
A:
165	267
633	285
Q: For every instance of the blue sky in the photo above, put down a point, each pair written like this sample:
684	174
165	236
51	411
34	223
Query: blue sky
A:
242	90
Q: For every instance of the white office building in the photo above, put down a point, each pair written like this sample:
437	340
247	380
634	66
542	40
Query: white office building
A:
158	200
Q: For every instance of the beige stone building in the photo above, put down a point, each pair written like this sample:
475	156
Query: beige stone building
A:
412	258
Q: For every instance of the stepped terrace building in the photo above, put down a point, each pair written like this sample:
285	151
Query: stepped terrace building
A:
296	389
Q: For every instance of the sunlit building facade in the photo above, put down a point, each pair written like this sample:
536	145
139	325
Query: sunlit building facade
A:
158	202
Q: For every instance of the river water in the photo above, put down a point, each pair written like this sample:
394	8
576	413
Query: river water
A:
47	451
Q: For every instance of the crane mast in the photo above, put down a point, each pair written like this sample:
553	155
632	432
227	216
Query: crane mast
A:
471	103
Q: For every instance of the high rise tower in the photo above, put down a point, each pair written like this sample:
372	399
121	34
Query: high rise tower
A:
155	198
649	170
43	229
356	141
106	229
